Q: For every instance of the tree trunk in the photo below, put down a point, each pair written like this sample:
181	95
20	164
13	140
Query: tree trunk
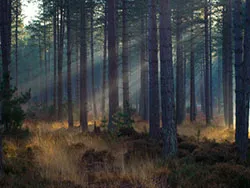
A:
45	59
210	62
83	71
60	64
41	69
180	111
154	102
92	61
55	55
69	61
242	79
227	65
5	31
207	71
192	79
144	72
167	81
104	74
230	66
16	40
125	67
113	65
219	90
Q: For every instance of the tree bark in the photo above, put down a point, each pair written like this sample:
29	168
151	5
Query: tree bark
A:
125	67
154	102
180	111
83	71
192	79
113	65
242	75
5	31
167	81
16	40
92	60
104	74
69	62
227	65
55	55
207	65
60	63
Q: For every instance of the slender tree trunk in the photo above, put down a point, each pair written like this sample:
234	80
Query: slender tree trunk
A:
144	73
219	90
45	59
55	56
167	81
113	65
154	102
239	70
225	80
41	69
77	71
60	64
207	71
69	62
5	31
104	74
180	111
125	67
92	61
210	62
242	77
83	71
227	66
230	66
16	40
192	79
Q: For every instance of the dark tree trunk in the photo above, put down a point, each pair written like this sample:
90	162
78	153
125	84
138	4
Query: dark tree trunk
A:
5	32
207	70
219	89
180	111
239	70
167	81
41	69
92	60
69	61
83	71
77	89
60	63
242	79
192	79
210	62
144	73
230	66
154	102
125	67
224	56
227	64
104	74
45	58
55	55
16	40
113	65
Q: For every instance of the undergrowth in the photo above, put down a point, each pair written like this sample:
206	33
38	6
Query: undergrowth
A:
49	155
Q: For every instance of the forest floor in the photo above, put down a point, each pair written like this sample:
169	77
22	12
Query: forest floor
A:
49	155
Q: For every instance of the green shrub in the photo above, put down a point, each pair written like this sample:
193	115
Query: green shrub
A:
12	113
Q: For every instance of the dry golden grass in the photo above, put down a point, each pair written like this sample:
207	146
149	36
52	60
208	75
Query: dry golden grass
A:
58	153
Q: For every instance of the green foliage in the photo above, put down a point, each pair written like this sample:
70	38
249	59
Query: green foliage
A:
104	122
12	113
123	119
